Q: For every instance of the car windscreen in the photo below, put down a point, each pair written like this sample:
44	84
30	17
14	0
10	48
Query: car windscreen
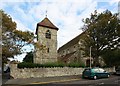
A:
98	70
95	70
101	70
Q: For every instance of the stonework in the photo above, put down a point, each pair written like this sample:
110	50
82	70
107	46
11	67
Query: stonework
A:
47	72
73	51
43	72
49	52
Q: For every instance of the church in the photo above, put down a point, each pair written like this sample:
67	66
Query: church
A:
46	33
72	51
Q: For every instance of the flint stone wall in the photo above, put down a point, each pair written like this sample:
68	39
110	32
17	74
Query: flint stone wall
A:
46	72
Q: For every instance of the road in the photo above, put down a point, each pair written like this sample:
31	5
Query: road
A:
0	79
112	81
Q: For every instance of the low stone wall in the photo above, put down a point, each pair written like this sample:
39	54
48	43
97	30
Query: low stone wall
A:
46	72
111	70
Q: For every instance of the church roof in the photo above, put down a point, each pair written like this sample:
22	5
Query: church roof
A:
66	57
46	23
71	42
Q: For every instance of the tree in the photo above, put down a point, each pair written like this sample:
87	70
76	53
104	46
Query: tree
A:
28	57
13	40
112	57
101	33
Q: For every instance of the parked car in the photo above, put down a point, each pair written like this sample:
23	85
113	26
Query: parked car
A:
95	73
117	70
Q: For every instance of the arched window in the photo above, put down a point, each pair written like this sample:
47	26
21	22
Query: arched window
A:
48	34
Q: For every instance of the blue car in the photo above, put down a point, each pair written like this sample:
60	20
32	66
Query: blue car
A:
95	73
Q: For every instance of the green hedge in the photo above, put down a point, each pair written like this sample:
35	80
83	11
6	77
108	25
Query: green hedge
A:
28	65
76	65
48	65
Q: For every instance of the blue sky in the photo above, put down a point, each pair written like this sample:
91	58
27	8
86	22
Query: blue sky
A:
67	15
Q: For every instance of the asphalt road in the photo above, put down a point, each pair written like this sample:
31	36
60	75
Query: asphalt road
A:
0	79
114	80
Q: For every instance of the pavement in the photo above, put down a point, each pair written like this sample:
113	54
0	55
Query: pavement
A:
0	79
43	80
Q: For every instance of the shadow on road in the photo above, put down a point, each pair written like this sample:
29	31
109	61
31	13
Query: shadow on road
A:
6	77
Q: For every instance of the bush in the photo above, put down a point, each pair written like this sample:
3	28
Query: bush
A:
56	64
76	65
29	65
48	65
28	57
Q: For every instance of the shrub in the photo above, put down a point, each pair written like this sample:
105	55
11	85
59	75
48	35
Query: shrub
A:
73	64
49	65
55	64
29	65
28	57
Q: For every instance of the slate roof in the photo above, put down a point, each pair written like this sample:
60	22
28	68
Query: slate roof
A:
46	23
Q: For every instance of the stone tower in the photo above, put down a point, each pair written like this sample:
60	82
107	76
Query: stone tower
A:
46	33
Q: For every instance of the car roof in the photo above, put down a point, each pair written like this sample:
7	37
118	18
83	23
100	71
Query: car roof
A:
93	68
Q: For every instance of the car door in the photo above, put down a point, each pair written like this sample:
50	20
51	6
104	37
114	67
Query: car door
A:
102	73
97	72
87	73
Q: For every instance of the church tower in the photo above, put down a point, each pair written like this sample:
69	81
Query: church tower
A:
46	33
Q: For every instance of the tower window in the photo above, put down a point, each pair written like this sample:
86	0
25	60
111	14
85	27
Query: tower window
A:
48	50
48	34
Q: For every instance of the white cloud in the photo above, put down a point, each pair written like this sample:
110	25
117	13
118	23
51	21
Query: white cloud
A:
67	15
21	26
73	22
113	1
20	0
18	57
2	5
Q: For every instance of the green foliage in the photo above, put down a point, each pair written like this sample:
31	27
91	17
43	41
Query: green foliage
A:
54	64
101	33
8	46
13	40
112	57
73	64
28	57
33	65
48	65
29	65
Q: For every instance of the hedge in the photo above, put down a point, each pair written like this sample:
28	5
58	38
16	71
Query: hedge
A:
48	65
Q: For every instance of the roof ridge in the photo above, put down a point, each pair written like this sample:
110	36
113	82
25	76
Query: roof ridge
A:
47	23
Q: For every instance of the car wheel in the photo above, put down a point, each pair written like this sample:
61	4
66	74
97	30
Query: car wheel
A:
95	77
108	75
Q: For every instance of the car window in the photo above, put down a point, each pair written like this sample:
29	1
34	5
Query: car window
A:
101	70
95	70
87	70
